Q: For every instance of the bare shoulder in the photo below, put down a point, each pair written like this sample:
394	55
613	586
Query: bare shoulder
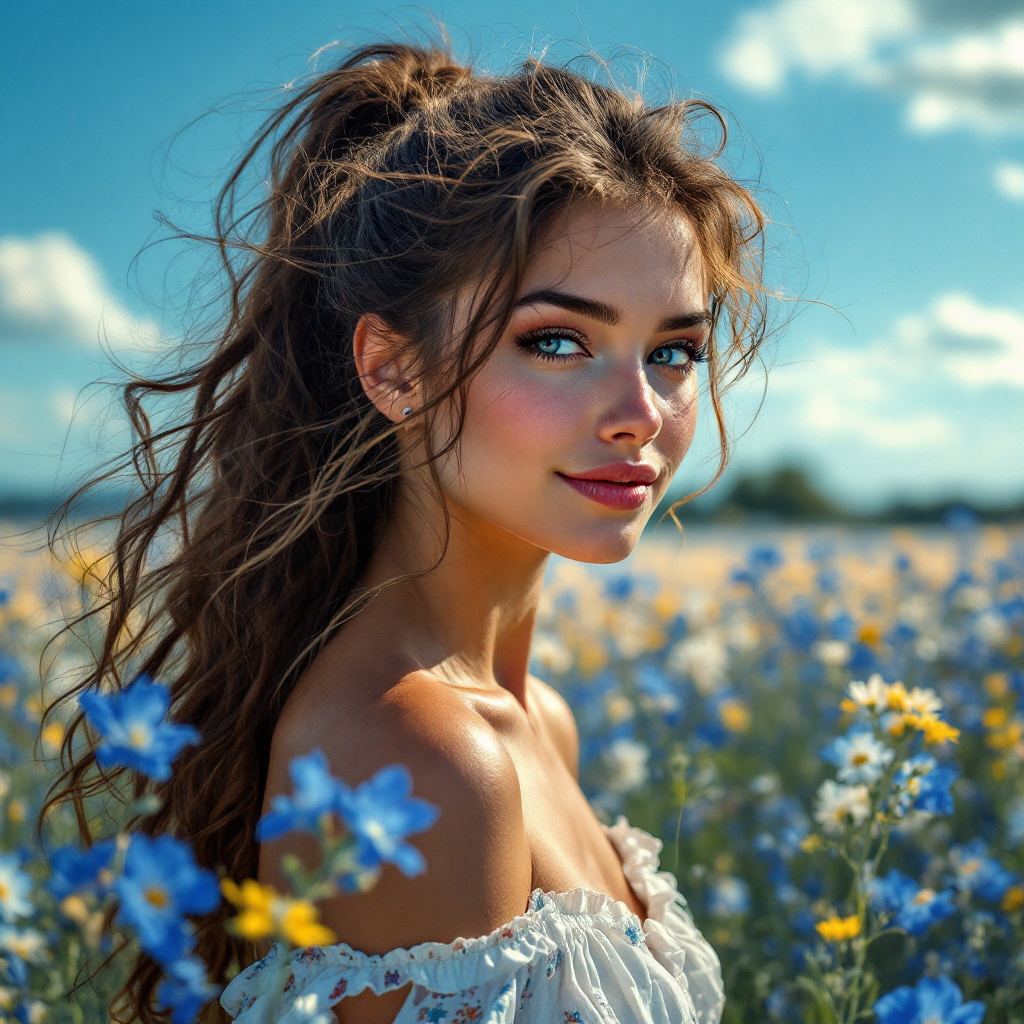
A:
560	722
479	870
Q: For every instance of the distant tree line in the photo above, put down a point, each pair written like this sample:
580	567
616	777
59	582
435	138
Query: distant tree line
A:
787	494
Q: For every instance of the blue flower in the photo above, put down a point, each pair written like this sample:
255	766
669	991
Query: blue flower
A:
914	909
13	970
926	784
15	886
314	792
801	628
380	813
618	588
659	693
978	873
72	870
777	1003
729	896
185	989
161	883
133	728
935	1000
31	1011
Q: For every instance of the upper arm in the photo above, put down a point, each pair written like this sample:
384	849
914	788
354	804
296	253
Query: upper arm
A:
479	870
561	723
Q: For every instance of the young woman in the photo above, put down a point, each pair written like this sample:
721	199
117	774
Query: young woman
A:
464	332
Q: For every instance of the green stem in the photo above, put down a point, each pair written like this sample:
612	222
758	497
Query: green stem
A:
279	973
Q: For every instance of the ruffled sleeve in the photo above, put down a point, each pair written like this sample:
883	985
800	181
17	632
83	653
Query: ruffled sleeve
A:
443	976
672	937
572	956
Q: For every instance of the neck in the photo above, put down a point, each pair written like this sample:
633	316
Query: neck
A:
471	618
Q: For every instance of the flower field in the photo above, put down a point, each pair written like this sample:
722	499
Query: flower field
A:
826	729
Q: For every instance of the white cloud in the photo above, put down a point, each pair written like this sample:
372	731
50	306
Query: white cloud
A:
852	395
902	391
53	291
1009	180
956	71
974	80
814	36
979	346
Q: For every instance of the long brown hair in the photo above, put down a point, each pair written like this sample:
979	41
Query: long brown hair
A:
392	181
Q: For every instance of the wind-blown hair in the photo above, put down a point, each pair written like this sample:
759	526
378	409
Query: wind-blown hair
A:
394	182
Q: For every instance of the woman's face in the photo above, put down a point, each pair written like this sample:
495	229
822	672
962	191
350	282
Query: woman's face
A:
577	421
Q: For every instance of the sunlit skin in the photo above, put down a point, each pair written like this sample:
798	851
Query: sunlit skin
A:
434	673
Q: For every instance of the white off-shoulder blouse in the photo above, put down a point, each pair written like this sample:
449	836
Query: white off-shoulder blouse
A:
576	956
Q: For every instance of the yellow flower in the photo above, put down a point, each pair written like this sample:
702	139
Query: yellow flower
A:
810	843
839	929
52	735
264	912
8	696
898	697
88	568
999	770
1008	737
16	811
994	718
897	725
870	633
1013	898
301	928
592	658
849	706
33	707
75	907
665	605
255	920
735	716
937	731
996	684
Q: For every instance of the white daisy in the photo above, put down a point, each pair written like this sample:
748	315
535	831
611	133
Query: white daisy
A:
834	653
837	803
704	658
859	757
627	763
873	695
15	885
28	943
923	701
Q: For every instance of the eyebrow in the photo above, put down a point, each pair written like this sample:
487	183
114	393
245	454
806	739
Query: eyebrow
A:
609	314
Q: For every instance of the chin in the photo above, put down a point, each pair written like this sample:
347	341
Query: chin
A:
600	543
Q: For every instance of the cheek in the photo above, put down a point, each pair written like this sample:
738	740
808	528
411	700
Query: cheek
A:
528	424
679	424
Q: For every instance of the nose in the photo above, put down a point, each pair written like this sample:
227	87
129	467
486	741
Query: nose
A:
632	415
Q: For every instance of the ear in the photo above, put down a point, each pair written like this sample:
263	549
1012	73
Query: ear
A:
381	368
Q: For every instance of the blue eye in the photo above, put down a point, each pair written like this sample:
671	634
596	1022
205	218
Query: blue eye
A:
556	345
669	356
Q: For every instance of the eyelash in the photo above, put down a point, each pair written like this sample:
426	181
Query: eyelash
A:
697	351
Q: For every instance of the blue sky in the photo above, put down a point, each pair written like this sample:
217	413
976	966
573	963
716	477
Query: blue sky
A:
887	137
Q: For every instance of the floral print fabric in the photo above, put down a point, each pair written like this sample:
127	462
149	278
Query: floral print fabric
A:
576	956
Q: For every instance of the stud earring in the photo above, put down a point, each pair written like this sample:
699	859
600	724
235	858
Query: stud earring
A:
407	410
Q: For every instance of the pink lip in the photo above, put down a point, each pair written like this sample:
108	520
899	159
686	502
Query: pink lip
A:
620	485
